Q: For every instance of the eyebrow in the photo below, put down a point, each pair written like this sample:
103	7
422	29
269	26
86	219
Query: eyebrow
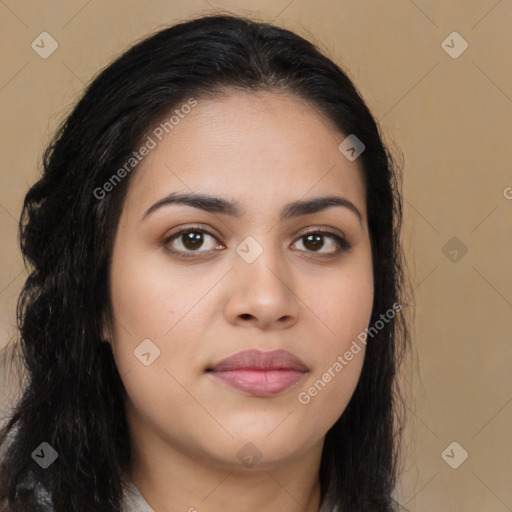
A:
219	205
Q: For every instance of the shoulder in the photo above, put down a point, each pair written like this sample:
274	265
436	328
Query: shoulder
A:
133	499
35	494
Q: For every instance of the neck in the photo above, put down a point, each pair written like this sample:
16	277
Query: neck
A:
171	480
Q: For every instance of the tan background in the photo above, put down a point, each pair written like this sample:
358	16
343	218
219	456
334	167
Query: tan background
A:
451	118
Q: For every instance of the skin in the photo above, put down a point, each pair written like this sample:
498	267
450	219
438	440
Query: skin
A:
264	150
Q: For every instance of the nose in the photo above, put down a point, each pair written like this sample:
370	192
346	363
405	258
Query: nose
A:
261	293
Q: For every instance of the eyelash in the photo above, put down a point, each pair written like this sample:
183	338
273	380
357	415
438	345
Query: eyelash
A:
343	244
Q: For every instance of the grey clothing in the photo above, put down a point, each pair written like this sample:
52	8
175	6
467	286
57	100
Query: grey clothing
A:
134	501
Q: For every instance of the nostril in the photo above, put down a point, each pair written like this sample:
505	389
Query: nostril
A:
246	316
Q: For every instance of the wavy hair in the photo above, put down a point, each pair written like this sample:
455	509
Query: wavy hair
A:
72	394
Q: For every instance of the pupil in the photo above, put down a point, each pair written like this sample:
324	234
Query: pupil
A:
193	240
315	241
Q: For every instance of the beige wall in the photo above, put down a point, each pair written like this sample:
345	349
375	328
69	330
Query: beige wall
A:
452	119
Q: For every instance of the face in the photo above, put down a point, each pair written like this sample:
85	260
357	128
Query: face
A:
191	287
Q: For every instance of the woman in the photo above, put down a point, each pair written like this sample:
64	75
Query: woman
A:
213	315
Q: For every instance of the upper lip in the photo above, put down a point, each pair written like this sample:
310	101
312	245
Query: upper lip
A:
260	360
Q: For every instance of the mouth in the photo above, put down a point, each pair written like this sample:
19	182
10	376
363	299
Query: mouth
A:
259	373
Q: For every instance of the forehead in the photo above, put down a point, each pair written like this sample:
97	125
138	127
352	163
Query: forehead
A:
252	147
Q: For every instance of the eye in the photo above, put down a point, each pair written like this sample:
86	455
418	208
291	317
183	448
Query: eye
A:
314	242
190	240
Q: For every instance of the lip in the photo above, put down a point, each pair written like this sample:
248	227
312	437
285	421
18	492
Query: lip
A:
259	373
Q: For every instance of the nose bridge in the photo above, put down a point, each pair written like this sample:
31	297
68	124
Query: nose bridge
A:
262	287
261	261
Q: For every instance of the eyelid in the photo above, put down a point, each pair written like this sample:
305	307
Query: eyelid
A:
199	227
321	229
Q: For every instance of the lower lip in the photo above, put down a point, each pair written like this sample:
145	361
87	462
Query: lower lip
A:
259	382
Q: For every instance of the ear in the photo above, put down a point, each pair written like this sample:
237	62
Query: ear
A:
106	331
105	337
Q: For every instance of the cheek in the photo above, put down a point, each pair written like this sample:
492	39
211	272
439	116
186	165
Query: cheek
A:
347	308
328	392
155	301
140	294
345	305
344	308
340	354
150	310
150	296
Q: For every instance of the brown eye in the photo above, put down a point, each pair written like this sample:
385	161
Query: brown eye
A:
191	240
194	241
314	241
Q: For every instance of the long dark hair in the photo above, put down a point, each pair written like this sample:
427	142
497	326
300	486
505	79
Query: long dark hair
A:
73	395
